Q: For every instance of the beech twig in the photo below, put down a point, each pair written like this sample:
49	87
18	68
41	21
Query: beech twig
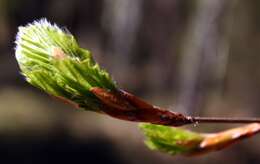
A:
225	120
51	59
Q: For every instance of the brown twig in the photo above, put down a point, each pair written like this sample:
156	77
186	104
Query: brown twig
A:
225	120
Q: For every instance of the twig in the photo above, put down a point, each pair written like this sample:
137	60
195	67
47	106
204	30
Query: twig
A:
224	120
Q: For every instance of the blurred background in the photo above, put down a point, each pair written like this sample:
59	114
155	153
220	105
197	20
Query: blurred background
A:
196	57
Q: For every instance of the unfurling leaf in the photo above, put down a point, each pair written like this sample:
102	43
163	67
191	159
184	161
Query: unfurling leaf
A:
181	141
51	59
170	140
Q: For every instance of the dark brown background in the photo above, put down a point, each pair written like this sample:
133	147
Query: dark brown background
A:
196	57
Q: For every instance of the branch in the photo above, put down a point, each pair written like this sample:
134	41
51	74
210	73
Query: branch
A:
52	60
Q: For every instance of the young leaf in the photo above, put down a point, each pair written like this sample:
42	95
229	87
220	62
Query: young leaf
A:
181	141
170	140
51	59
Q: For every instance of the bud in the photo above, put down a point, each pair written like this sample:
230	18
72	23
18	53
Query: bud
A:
51	59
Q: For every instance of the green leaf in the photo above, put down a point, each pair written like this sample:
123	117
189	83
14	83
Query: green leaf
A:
181	141
51	59
170	140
